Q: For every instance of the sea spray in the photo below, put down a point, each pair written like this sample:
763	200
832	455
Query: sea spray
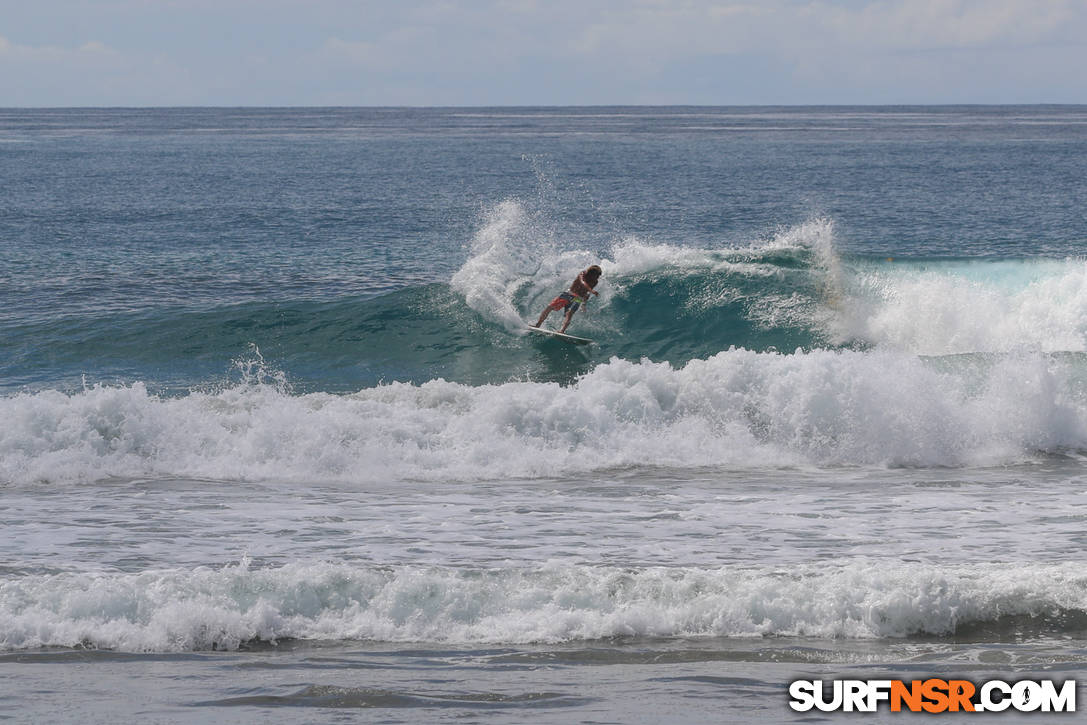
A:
503	252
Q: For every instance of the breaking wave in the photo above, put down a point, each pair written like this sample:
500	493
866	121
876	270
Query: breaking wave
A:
237	606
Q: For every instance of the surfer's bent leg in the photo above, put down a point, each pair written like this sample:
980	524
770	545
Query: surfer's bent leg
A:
569	314
556	304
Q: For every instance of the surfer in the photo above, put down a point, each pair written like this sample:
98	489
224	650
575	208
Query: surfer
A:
578	295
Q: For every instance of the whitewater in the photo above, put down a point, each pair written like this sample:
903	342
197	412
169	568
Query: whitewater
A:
922	365
277	442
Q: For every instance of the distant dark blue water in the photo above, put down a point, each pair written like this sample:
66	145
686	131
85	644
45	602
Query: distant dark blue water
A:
275	441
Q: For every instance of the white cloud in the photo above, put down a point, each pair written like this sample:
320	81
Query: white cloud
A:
91	73
97	48
360	52
946	24
90	51
685	28
552	51
407	47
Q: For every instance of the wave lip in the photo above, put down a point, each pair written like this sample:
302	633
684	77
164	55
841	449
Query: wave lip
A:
202	609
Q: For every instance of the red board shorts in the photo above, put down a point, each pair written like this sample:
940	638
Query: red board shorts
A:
566	298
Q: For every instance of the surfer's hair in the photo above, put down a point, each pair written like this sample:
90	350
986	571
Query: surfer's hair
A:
593	271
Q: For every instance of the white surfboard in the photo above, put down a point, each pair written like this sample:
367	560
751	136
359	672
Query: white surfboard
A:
560	335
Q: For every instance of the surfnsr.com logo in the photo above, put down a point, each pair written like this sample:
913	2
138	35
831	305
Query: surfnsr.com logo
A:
933	695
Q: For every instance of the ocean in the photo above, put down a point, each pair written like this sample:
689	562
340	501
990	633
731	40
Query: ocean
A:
276	446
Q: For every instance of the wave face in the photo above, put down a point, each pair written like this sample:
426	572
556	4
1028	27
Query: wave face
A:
202	609
660	302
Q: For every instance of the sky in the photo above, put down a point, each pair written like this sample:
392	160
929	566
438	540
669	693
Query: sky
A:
540	52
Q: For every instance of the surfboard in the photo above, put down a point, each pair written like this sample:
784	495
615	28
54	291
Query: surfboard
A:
560	335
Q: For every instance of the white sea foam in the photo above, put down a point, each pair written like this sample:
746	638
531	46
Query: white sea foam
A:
949	308
883	407
199	609
737	408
